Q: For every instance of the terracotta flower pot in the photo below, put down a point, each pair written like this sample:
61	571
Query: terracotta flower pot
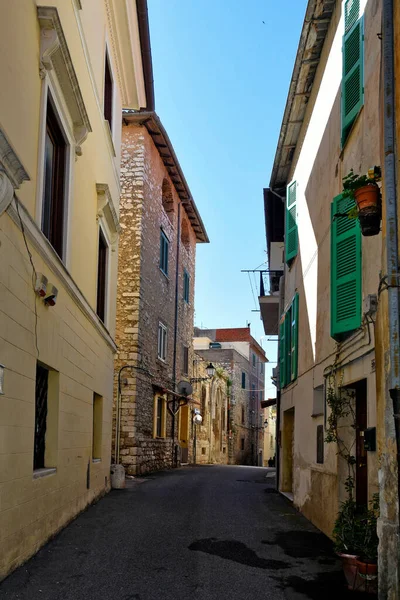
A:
370	220
367	567
367	196
367	577
349	563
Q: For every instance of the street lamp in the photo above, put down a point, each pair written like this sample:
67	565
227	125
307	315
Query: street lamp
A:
210	370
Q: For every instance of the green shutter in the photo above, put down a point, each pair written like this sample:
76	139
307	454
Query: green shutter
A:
291	235
282	354
351	13
288	345
353	76
294	337
346	274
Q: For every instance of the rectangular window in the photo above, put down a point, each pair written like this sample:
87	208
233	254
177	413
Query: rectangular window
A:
261	367
45	453
291	234
164	247
102	276
242	444
108	92
97	439
162	342
254	360
353	66
54	181
288	344
159	417
320	444
346	270
242	414
41	391
243	380
185	366
186	286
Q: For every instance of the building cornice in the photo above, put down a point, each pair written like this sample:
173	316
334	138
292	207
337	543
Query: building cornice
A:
315	27
12	173
152	122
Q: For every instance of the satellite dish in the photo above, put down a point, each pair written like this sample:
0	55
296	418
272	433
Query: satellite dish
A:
185	388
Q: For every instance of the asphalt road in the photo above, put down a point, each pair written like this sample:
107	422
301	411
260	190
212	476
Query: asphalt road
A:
200	533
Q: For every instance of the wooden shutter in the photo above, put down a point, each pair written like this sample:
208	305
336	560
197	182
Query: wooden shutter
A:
288	346
291	235
353	76
294	337
346	274
282	354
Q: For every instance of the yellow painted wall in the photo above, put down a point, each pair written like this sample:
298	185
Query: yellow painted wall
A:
68	338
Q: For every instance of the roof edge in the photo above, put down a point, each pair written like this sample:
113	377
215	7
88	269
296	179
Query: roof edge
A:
145	46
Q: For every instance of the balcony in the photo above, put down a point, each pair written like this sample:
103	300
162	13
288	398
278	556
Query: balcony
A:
269	300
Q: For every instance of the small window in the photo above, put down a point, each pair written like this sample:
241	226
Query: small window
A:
242	414
159	417
243	380
108	92
102	276
242	444
261	367
186	286
46	418
203	450
54	176
162	342
164	247
254	360
320	444
185	366
97	440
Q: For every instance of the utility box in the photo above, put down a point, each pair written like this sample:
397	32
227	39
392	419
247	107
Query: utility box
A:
370	304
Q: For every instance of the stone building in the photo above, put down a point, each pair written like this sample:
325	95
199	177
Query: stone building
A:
160	229
67	70
211	397
243	358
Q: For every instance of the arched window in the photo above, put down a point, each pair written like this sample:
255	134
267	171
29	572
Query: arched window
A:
167	199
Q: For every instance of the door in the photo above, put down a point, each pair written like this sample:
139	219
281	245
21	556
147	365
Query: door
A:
184	433
361	453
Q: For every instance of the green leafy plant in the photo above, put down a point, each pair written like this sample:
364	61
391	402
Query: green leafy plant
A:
368	542
352	181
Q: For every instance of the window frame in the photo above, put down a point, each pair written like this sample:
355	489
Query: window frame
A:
109	98
288	343
243	380
159	420
186	286
51	93
103	235
185	360
164	252
162	342
47	462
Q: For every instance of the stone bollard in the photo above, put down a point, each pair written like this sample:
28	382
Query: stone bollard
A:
117	477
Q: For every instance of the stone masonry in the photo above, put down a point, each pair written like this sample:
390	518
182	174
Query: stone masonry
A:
146	296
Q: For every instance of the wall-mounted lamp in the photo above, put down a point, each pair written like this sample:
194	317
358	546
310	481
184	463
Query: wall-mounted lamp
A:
41	284
51	298
210	370
2	367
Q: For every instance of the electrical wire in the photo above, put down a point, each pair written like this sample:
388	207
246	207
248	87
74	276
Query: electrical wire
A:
252	291
34	272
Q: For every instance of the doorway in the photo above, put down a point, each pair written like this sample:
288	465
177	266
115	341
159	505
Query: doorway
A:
287	451
184	433
361	453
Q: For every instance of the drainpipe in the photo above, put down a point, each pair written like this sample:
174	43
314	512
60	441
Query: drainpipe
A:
393	376
178	247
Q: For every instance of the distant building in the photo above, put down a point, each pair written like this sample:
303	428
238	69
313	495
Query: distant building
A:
160	229
244	359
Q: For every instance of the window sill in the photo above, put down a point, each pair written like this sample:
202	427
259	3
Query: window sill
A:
39	473
165	274
96	460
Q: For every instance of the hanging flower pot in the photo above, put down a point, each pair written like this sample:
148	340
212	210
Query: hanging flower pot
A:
367	196
370	220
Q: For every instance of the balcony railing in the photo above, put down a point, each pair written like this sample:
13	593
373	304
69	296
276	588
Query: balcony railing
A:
269	282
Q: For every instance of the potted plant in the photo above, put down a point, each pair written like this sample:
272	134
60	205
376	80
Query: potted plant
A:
368	547
363	189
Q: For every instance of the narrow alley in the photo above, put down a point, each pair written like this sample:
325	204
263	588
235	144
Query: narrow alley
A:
206	532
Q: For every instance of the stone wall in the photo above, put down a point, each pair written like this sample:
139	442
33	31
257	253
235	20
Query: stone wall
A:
146	296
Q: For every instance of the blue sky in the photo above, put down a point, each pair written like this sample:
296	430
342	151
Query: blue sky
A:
222	70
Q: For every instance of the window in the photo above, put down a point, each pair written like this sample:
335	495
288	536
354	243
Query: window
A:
203	450
291	234
159	417
97	439
54	181
261	367
346	270
254	360
108	92
242	414
353	66
185	366
102	276
242	444
243	380
162	341
318	401
186	286
288	344
320	444
164	246
46	418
